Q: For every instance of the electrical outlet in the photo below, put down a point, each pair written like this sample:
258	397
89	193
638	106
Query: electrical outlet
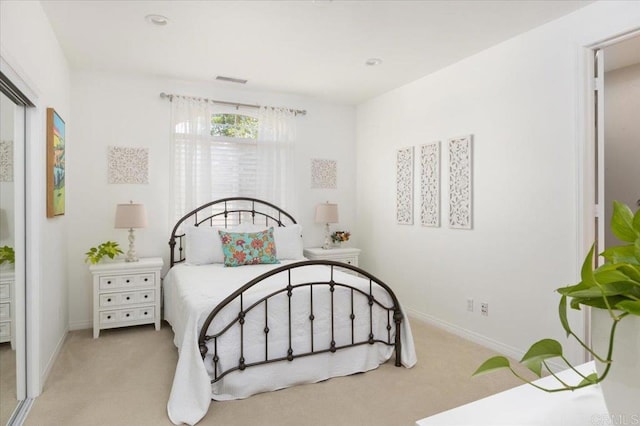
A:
470	305
484	309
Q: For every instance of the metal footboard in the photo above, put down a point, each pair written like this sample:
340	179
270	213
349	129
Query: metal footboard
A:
376	307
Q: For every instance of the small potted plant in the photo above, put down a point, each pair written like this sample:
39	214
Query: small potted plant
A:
108	248
613	290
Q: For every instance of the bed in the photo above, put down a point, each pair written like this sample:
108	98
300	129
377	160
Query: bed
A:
268	324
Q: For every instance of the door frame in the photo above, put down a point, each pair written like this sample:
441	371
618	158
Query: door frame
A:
590	176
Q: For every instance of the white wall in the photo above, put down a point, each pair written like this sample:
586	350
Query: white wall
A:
520	100
117	110
622	143
31	48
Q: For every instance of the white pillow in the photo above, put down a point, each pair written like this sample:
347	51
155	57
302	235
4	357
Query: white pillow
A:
203	245
288	241
250	227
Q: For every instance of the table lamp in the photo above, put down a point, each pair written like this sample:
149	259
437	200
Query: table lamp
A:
327	213
131	216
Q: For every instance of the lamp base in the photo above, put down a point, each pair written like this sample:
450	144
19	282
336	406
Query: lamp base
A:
131	254
327	237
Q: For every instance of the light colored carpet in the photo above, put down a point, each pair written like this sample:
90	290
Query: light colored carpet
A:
8	401
124	378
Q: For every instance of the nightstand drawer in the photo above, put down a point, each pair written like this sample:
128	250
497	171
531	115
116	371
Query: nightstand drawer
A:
123	281
5	311
5	331
123	315
5	291
128	298
349	260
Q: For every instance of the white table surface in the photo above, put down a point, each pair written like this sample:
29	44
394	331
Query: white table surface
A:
526	405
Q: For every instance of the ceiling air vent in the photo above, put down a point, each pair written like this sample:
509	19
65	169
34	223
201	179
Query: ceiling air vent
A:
231	79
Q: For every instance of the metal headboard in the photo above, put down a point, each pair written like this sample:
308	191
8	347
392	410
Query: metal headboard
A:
224	213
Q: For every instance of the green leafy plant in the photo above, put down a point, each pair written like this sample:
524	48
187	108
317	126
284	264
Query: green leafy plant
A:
109	249
614	286
7	254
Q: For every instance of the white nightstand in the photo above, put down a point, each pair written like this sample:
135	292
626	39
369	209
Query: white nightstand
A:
7	324
344	255
126	293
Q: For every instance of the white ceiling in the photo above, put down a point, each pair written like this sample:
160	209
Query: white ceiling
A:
313	48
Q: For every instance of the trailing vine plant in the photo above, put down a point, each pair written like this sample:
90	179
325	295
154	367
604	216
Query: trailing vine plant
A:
614	286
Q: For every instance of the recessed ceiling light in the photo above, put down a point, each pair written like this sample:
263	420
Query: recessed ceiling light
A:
157	19
372	62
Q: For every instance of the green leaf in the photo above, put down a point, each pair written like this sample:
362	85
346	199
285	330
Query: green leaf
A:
632	271
562	311
610	275
535	367
596	302
591	379
636	249
622	223
586	272
621	254
492	364
631	306
636	221
605	290
541	350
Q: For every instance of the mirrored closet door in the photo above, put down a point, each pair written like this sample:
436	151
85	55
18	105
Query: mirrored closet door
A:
12	249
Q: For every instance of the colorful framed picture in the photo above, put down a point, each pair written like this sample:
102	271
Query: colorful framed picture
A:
55	164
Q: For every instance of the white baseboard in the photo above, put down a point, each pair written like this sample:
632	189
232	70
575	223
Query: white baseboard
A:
80	325
54	357
472	336
492	344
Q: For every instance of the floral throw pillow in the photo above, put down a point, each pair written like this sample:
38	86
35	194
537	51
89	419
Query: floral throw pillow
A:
248	248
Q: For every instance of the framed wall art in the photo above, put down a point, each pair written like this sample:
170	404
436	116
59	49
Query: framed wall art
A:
461	182
430	184
55	164
128	165
404	186
324	174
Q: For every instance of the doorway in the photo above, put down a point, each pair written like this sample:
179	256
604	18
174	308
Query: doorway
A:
595	198
621	129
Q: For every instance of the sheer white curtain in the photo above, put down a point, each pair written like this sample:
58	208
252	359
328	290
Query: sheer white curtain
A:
206	167
276	141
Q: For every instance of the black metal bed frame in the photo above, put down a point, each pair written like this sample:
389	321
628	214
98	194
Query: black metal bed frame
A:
231	211
393	313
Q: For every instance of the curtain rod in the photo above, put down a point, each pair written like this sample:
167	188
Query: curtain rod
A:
164	95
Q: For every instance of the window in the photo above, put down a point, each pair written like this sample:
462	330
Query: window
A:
220	153
234	126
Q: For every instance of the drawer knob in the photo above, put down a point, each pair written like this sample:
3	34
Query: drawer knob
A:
127	315
128	297
146	279
109	300
146	296
108	316
108	282
128	280
145	312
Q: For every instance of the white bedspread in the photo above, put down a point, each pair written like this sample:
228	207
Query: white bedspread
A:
191	292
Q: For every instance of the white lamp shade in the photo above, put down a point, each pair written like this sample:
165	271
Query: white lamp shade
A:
131	216
327	213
